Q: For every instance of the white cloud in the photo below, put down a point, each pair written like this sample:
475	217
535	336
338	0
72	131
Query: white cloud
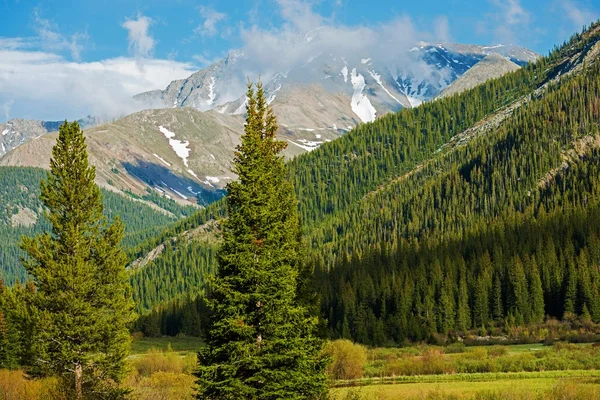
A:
52	40
578	16
141	44
211	17
442	28
6	107
510	23
43	85
304	34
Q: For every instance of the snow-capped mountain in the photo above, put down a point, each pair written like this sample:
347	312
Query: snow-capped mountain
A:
333	91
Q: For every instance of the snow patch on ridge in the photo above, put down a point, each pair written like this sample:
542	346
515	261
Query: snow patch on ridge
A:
361	106
344	73
377	78
5	132
273	94
162	159
193	174
180	148
306	144
211	91
213	179
180	194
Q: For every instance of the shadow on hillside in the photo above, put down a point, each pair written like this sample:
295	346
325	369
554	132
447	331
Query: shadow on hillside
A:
161	177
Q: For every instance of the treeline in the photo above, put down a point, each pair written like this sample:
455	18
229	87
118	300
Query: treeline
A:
20	190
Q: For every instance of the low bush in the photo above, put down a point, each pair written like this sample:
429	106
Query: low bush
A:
164	361
15	386
348	360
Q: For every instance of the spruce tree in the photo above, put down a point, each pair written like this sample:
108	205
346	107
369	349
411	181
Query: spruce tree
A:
262	342
83	302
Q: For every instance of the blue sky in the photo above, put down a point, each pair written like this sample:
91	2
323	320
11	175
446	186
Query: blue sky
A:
59	59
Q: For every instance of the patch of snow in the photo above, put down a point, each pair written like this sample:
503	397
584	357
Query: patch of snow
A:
3	148
306	144
318	136
213	157
361	106
159	190
273	94
211	91
191	190
377	78
492	47
344	73
308	129
180	148
183	196
162	159
365	60
168	134
193	174
241	109
213	179
5	132
335	127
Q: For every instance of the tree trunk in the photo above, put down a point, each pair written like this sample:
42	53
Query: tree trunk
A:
78	379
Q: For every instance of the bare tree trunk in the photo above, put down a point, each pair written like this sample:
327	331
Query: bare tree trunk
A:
78	379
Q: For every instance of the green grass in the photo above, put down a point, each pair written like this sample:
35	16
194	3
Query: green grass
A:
185	344
534	385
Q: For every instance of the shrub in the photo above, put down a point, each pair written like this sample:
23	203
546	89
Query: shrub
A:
497	351
455	348
168	361
14	386
348	360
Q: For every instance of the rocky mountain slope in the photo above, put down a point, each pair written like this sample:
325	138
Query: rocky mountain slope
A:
181	153
492	66
17	131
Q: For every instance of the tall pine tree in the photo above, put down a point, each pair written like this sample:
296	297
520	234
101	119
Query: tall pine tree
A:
262	342
83	299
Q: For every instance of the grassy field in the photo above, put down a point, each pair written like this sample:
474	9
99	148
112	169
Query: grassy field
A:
535	387
186	344
161	368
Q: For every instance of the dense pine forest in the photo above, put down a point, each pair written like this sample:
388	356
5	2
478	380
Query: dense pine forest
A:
480	211
20	191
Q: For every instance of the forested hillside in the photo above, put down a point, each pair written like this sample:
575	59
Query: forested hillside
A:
21	214
479	211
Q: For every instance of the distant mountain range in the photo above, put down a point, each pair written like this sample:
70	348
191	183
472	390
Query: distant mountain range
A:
183	149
